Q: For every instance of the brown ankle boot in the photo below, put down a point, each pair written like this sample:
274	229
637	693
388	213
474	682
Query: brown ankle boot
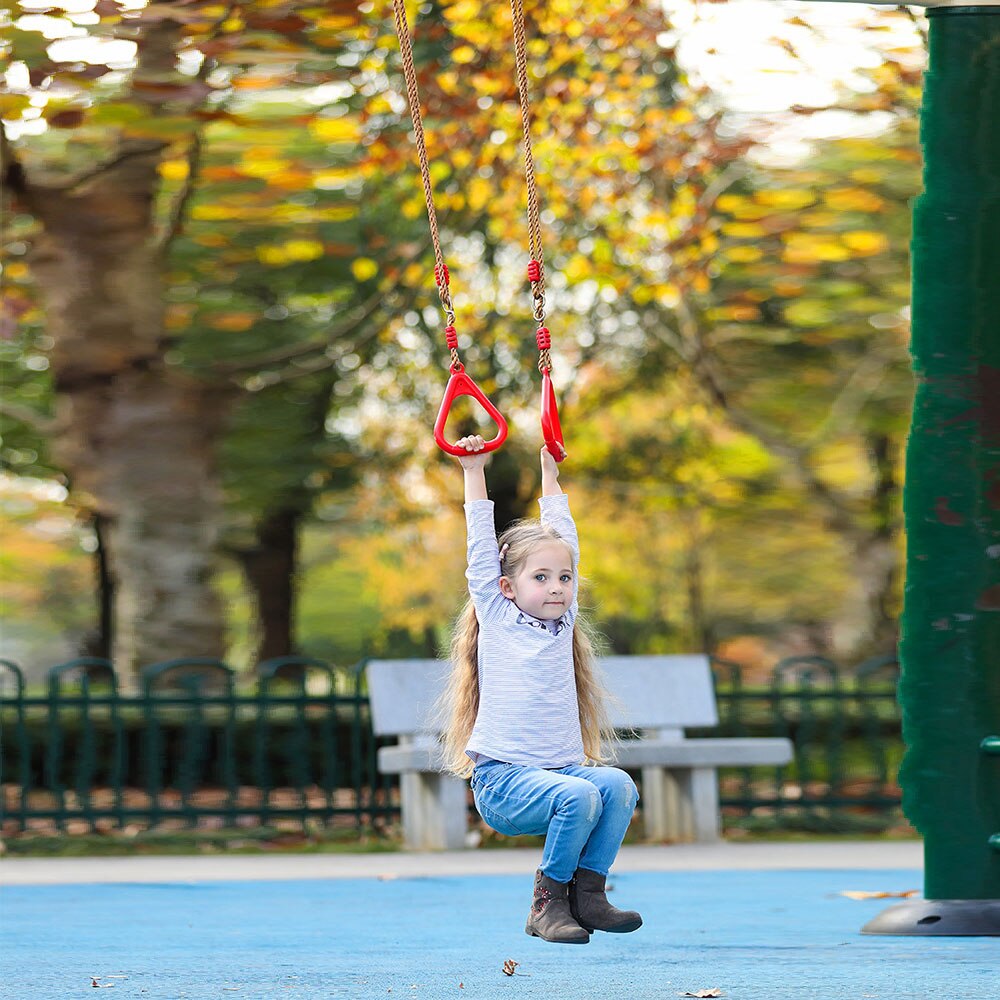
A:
591	909
550	918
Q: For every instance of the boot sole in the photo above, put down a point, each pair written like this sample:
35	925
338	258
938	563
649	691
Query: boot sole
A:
533	933
633	925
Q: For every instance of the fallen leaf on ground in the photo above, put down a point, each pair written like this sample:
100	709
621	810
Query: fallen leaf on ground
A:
862	894
714	992
509	966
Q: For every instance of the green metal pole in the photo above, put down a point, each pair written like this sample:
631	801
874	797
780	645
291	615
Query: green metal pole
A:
950	647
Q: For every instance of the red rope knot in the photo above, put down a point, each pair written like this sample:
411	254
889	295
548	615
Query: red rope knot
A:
534	271
451	337
441	275
543	339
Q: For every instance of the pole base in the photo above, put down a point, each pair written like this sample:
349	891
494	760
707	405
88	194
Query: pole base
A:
939	917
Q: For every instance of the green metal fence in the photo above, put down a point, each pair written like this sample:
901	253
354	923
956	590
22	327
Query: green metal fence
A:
191	745
846	732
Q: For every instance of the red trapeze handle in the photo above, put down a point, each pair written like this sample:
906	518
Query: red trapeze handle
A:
551	430
461	385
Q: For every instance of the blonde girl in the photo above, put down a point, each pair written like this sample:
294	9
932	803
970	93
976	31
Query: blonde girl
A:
524	708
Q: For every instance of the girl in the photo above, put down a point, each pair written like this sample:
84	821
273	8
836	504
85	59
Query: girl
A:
524	708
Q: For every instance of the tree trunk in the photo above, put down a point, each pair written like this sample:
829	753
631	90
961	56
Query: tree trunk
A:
270	571
135	435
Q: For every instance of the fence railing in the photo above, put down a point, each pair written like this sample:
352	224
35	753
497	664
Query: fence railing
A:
845	728
190	745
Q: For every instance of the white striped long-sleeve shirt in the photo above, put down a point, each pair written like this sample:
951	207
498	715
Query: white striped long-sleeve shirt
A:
528	711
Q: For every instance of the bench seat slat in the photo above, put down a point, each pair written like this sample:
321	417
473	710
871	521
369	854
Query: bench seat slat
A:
711	752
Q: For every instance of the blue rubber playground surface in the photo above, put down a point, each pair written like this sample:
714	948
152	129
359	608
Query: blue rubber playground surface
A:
751	934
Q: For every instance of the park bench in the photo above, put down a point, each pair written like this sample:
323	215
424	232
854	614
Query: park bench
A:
655	698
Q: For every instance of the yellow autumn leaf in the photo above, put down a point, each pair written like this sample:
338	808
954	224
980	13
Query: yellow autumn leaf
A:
865	242
334	130
364	268
863	894
214	213
808	312
744	230
577	269
463	54
335	22
303	250
701	282
787	199
805	248
447	82
464	10
866	175
11	105
272	256
479	192
744	254
15	270
853	200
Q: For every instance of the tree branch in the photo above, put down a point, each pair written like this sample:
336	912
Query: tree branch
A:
354	318
838	511
174	223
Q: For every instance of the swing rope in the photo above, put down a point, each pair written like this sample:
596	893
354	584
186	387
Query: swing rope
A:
460	383
536	265
441	276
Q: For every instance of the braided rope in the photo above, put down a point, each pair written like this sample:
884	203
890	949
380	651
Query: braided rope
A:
536	267
441	276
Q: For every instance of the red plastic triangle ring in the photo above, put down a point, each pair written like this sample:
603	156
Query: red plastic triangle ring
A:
461	384
551	430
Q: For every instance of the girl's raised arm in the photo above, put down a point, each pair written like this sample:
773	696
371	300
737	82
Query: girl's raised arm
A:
474	467
483	570
555	513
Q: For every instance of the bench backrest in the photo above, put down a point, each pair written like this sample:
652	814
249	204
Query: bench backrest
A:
648	692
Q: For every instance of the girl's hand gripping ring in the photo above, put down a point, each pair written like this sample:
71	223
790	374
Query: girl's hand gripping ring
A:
461	384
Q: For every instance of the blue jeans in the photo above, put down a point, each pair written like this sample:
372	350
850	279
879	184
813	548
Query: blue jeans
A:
583	811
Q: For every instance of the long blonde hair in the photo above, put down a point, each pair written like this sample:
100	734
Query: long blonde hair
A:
459	703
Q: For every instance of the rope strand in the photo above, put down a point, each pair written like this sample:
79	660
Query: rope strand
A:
441	276
536	266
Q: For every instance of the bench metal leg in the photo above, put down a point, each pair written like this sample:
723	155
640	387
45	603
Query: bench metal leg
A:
704	798
681	804
434	810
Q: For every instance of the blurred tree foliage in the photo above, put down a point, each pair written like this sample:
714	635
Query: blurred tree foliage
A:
730	336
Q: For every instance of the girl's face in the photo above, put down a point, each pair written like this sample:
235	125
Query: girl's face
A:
543	587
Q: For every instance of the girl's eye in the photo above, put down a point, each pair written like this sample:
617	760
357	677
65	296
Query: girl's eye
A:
566	578
540	577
